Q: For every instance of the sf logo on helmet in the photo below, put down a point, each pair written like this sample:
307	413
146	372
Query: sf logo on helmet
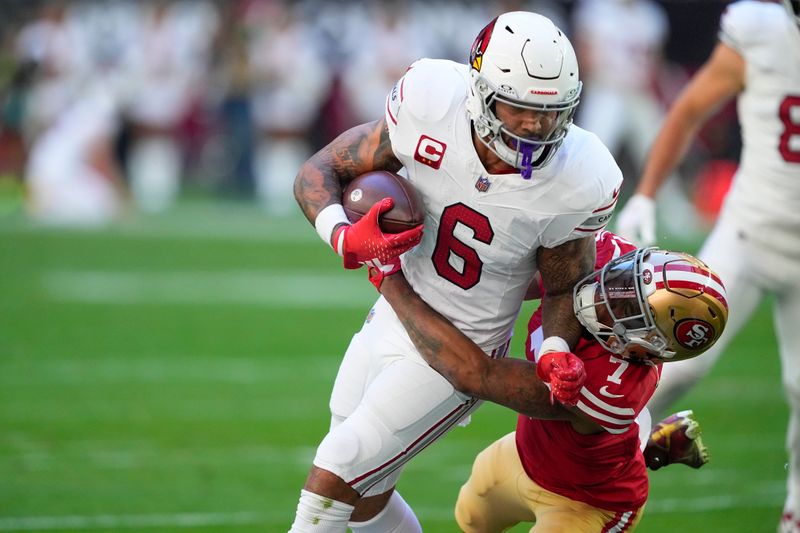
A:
694	334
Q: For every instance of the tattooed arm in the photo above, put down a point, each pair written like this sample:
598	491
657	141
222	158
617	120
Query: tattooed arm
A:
356	151
561	268
512	383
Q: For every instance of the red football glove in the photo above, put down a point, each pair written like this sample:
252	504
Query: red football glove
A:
378	271
565	373
364	241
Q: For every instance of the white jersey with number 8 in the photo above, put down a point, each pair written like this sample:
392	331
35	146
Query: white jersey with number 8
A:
765	194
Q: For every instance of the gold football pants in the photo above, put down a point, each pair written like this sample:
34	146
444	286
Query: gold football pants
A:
499	494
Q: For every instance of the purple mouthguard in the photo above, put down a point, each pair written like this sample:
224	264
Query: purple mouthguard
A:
527	149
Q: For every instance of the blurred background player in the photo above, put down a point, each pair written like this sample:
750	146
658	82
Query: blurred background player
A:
169	72
396	42
756	241
620	46
508	190
48	46
580	468
73	177
150	57
290	80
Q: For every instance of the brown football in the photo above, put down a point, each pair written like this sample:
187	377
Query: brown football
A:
371	187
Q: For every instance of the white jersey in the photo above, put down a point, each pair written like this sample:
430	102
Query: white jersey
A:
765	196
478	254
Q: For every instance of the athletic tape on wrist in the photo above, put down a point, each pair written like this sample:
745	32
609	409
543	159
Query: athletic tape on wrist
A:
554	344
327	220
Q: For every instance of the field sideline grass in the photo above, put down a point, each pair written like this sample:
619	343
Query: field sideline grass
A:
172	373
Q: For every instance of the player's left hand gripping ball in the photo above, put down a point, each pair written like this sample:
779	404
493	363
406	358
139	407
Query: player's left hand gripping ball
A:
565	373
363	242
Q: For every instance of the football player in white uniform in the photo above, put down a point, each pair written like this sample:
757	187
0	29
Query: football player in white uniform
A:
509	189
756	241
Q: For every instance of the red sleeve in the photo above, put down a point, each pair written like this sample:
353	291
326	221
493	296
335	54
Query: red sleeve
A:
616	390
610	246
534	338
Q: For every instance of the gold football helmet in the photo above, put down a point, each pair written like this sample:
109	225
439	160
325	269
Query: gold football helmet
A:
651	304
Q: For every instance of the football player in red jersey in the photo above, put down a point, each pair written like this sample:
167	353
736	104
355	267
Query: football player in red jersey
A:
577	468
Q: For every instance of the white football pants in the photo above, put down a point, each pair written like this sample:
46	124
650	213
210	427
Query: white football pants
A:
749	272
387	405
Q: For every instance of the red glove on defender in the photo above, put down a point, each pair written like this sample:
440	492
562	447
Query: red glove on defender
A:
364	241
565	373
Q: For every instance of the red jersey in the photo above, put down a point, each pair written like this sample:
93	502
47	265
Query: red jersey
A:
605	470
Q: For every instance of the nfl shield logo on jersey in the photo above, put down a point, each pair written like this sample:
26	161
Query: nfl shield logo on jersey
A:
483	184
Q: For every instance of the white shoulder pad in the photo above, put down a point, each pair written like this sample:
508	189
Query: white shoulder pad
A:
434	86
394	100
426	92
587	184
745	23
602	170
602	215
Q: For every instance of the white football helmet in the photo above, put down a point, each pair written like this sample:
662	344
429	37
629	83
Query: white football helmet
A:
793	7
654	305
524	60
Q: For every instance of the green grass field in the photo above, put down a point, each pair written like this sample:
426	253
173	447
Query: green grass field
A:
172	373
